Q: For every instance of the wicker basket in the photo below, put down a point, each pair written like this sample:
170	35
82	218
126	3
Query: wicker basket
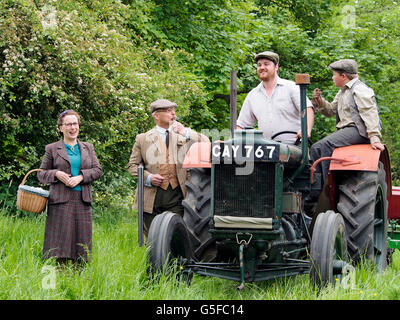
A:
31	199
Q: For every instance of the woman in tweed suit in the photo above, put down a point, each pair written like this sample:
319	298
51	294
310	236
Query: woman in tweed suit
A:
69	166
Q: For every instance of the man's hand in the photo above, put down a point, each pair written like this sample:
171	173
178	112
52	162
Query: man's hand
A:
377	146
178	128
156	179
317	99
298	135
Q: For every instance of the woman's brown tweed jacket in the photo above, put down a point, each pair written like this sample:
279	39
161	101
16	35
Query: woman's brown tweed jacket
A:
68	232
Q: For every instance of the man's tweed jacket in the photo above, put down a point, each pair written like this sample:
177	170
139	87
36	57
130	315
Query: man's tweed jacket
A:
149	149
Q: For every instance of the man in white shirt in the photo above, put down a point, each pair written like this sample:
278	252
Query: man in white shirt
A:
275	103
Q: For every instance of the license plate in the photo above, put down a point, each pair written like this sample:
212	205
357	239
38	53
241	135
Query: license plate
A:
221	152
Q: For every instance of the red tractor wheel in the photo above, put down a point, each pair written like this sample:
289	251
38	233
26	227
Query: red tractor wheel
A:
364	207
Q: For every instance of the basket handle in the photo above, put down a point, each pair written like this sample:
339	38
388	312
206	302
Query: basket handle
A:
26	176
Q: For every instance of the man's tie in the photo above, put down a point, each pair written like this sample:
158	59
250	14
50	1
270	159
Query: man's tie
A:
167	138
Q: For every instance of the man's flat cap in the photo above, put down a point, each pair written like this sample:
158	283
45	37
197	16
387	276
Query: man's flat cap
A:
161	104
346	65
267	55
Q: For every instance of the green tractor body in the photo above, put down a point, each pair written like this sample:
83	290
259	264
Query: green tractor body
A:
249	208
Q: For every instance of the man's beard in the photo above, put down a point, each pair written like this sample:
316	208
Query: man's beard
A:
265	76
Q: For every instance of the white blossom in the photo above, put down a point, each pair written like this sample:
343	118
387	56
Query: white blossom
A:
49	17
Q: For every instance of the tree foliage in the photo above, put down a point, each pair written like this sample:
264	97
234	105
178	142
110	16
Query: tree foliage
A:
79	55
109	59
310	15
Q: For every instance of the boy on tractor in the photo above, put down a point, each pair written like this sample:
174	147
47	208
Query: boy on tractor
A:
357	117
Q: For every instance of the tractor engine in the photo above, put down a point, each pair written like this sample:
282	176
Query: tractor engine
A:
247	179
249	197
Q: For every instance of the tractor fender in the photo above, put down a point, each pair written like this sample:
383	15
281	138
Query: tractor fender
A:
198	156
362	157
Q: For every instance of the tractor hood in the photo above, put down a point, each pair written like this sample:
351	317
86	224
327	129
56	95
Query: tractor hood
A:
246	145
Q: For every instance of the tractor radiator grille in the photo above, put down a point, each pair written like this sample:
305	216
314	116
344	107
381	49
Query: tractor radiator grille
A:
244	195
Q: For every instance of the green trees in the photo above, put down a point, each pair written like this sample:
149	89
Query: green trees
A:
74	55
109	59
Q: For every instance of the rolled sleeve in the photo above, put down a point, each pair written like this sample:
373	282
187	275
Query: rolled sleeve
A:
295	96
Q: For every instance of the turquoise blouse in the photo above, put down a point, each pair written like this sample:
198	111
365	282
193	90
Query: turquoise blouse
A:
74	155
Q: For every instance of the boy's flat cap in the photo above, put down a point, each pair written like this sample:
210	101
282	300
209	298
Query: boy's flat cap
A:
346	65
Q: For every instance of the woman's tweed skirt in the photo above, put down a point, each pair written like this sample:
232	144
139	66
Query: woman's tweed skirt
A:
68	232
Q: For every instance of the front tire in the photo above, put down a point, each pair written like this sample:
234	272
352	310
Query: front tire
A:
328	249
168	240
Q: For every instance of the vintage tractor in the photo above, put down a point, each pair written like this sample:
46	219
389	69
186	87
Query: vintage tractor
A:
244	216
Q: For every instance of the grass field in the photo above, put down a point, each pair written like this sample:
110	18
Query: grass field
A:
118	270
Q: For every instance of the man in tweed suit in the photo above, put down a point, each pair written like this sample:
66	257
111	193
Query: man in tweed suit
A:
162	151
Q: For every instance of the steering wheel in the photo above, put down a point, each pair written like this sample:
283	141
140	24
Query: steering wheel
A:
298	140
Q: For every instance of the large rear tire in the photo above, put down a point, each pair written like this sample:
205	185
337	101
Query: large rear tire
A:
328	249
197	213
363	205
168	240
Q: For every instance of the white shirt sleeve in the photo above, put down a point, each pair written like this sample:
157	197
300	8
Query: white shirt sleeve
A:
246	117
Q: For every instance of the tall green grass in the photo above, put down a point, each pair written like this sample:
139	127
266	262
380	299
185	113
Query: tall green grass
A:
118	269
